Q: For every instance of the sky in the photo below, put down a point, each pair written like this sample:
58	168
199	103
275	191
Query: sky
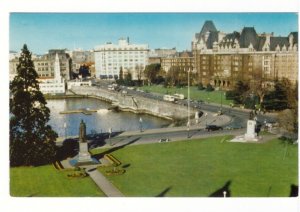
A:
44	31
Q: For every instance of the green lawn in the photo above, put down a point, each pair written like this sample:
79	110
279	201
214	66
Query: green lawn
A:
46	181
198	168
195	94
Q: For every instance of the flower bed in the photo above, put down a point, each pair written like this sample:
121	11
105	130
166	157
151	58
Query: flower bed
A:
113	161
115	171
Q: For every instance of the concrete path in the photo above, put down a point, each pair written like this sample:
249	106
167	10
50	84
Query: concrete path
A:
108	189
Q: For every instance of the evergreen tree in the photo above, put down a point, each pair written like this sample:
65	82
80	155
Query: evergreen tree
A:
278	98
31	138
240	92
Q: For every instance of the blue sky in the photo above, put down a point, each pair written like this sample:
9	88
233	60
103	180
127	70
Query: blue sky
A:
44	31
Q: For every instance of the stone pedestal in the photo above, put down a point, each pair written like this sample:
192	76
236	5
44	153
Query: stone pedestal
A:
84	155
251	134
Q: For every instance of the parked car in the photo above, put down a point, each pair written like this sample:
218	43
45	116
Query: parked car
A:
163	140
213	128
233	127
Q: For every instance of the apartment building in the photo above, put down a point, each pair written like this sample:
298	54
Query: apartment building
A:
110	58
45	64
183	60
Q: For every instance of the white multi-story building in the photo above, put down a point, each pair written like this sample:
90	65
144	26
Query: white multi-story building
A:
53	85
110	58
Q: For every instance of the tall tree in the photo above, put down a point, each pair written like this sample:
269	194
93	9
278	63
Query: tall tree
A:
31	138
239	92
277	99
152	71
139	72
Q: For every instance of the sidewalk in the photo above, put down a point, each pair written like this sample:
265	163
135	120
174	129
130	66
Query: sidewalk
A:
202	121
108	189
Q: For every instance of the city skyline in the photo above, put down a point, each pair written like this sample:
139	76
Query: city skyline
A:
158	30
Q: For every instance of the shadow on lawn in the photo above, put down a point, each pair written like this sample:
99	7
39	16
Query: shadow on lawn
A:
219	192
294	191
164	192
125	166
98	156
70	146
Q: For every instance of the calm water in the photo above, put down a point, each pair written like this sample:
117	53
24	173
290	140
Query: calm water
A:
98	122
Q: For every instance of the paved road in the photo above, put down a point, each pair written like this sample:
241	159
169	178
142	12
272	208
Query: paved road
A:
137	137
239	116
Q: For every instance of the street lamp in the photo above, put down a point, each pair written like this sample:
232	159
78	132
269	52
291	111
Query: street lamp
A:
188	124
141	124
65	127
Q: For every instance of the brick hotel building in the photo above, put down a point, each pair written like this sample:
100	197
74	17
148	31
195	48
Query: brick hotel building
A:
222	59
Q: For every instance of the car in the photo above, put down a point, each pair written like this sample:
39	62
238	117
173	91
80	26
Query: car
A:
213	128
163	140
233	127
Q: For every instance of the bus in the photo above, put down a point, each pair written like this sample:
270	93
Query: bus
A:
169	98
178	96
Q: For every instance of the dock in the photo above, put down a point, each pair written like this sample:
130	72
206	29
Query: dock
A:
84	111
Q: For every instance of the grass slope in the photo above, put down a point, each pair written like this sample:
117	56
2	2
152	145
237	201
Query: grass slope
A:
46	181
202	167
195	94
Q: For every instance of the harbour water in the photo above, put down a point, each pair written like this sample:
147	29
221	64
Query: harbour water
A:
96	122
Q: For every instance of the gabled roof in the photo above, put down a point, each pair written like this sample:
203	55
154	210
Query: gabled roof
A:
229	39
248	36
261	43
295	35
232	36
208	26
213	37
281	41
185	54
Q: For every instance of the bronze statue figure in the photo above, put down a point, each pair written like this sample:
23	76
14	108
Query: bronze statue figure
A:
251	115
82	132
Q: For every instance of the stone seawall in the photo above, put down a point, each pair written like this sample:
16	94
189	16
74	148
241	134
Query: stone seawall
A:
137	104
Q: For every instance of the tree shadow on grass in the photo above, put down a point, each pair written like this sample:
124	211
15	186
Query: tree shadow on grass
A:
125	166
98	156
219	192
294	191
164	192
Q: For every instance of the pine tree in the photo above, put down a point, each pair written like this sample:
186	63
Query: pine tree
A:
31	139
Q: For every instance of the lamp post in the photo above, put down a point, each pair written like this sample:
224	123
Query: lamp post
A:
65	127
188	124
221	100
141	124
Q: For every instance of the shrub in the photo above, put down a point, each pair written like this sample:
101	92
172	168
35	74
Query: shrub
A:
200	86
209	87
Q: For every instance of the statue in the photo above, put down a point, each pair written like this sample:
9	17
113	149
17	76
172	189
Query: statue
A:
251	115
82	132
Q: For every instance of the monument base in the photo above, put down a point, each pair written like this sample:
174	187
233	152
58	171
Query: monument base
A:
244	138
250	135
84	157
